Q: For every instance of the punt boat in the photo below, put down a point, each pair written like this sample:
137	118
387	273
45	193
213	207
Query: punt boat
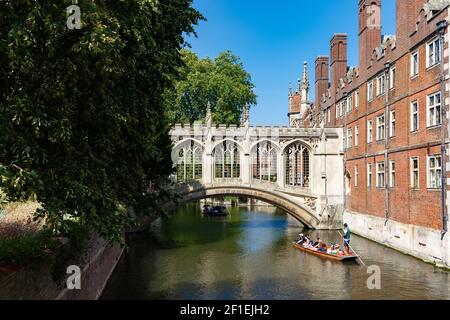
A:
324	255
218	211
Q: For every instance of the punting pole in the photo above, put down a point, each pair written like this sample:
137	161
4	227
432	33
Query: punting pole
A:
359	258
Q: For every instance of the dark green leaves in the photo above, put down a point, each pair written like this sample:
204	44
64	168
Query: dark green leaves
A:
81	123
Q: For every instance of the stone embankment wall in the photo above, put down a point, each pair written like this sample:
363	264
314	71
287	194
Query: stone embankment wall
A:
35	282
420	242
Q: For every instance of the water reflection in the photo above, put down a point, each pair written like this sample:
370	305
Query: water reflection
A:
248	255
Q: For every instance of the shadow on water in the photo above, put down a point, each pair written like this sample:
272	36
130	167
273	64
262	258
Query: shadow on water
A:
249	255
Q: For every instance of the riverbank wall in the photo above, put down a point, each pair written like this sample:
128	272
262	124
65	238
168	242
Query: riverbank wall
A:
35	282
423	243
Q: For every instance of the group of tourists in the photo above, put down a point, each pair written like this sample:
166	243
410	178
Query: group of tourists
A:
322	247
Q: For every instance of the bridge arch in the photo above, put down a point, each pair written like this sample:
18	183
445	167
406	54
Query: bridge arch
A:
301	212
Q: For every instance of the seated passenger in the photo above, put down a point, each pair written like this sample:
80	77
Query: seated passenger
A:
308	241
323	248
301	240
318	243
333	249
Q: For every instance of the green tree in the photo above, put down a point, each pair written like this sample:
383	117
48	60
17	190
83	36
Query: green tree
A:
223	82
80	110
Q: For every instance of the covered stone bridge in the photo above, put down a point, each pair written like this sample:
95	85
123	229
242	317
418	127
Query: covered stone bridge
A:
298	170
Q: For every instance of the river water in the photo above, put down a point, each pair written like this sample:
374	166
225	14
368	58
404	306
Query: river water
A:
249	255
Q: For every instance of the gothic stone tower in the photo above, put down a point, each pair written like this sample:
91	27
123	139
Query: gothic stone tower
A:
299	102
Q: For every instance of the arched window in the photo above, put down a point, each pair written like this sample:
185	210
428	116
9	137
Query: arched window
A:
264	162
189	164
227	161
298	166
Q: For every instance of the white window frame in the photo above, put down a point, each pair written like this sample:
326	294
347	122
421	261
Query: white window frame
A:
369	131
350	104
349	139
433	52
436	108
413	171
381	85
356	136
381	127
414	63
369	175
415	112
437	183
379	174
370	90
329	115
340	109
392	180
392	125
392	77
356	176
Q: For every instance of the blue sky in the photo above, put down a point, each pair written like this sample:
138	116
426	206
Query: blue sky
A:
273	38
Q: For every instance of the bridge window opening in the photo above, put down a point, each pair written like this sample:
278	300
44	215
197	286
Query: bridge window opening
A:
227	161
189	165
298	166
264	165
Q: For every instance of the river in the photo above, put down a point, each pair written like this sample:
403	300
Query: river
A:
249	255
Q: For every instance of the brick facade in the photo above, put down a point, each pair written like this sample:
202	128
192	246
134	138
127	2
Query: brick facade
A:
343	101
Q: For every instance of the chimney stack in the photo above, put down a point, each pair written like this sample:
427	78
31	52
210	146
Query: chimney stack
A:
407	13
338	64
321	85
369	30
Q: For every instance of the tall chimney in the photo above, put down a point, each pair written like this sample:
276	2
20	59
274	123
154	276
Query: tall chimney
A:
321	85
407	12
338	60
369	30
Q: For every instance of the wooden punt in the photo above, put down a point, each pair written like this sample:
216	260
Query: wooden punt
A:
349	257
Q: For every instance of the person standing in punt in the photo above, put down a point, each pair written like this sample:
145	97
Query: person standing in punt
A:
346	239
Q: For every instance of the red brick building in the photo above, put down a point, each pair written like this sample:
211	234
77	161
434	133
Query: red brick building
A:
393	109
